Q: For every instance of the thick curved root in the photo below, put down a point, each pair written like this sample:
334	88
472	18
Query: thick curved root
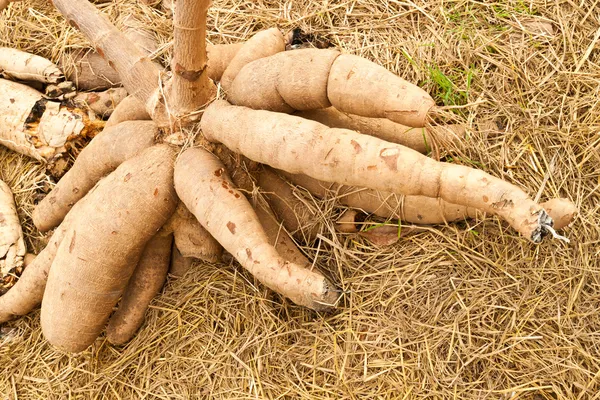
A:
263	44
145	283
419	139
12	244
310	79
297	145
28	292
203	185
101	248
103	155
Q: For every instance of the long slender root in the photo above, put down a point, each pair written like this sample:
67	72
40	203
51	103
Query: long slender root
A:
147	280
12	244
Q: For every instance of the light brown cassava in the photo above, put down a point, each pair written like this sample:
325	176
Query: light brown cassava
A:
147	280
219	58
191	239
419	139
203	185
263	44
12	244
130	109
100	249
101	103
100	157
180	265
310	79
36	127
89	71
28	292
414	209
17	64
298	218
297	145
278	237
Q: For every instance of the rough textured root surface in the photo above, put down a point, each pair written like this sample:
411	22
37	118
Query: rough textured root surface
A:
36	127
412	209
12	244
562	211
89	71
288	206
191	239
100	249
17	64
104	154
28	292
309	79
147	280
277	235
419	139
101	103
203	185
296	145
219	58
180	265
263	44
130	109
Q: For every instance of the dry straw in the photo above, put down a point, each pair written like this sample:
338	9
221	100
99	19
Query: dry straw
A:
465	311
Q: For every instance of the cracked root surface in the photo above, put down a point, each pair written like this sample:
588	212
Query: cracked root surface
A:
467	311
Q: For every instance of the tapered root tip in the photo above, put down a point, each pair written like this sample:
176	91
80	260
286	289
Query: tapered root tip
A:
544	227
328	300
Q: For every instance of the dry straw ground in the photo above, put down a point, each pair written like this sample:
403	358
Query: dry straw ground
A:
465	311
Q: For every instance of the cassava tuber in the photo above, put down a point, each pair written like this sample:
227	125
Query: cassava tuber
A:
310	79
17	64
212	196
12	244
123	212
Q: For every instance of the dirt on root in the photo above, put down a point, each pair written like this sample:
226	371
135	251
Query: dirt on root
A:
464	311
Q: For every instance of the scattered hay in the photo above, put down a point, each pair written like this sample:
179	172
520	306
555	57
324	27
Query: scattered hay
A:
468	310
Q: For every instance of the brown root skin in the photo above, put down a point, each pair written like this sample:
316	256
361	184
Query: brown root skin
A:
263	44
17	64
130	109
101	103
351	158
101	248
562	211
277	235
310	79
203	185
180	265
89	71
191	239
419	139
349	221
28	292
12	244
145	283
414	209
102	155
39	128
297	217
219	58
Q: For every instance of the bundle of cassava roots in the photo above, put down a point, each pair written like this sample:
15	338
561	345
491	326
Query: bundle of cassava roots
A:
148	194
